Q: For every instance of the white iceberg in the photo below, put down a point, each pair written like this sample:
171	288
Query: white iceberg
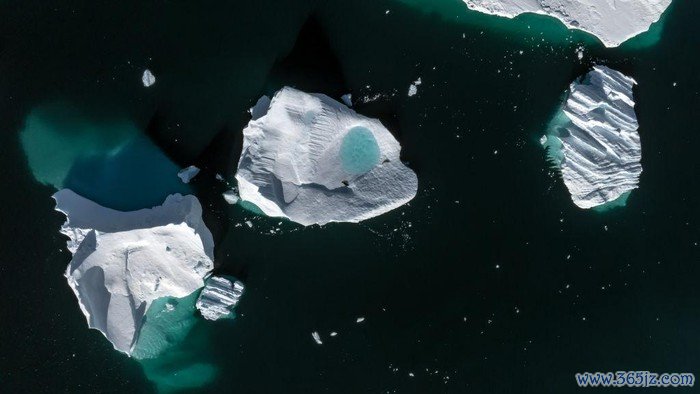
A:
594	140
219	296
231	196
313	160
123	261
612	21
148	78
186	174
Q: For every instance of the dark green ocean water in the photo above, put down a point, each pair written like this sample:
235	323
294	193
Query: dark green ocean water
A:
490	281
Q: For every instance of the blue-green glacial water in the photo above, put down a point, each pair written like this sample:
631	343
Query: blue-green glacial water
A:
490	281
359	151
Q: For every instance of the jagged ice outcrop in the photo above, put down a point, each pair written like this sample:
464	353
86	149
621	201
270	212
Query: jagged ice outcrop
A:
219	296
594	140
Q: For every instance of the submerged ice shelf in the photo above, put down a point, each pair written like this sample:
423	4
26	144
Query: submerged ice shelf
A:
613	22
124	261
313	160
594	139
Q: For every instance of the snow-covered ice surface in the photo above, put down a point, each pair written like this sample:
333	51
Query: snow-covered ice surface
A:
612	21
186	174
219	296
313	160
123	261
594	140
148	78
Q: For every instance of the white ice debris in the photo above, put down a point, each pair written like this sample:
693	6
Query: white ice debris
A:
359	320
122	261
148	78
347	99
612	21
219	296
333	333
597	147
314	160
413	89
317	337
186	174
231	196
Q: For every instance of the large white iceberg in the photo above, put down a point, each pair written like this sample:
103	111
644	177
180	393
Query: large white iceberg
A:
594	140
219	296
123	261
314	160
612	21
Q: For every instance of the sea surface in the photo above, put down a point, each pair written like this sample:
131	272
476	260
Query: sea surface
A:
490	281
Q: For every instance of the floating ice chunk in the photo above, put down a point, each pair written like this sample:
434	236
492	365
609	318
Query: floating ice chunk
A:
359	320
148	78
347	99
186	174
333	333
123	261
231	196
314	161
413	89
317	337
594	140
613	22
219	296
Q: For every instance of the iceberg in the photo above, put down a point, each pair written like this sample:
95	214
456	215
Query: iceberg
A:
613	22
594	139
313	160
123	261
186	174
219	296
148	78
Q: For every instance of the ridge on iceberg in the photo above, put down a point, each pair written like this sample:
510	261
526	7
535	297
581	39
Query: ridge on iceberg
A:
613	22
219	296
313	160
123	261
594	140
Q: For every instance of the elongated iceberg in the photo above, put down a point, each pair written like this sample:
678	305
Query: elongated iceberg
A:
612	21
219	296
594	140
313	160
123	261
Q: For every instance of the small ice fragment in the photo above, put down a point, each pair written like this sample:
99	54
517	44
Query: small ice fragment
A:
148	78
186	174
543	139
333	333
360	320
317	337
230	196
219	178
249	223
413	89
411	374
347	99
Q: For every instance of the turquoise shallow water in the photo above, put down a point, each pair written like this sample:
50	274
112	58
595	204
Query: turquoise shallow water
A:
489	281
359	151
